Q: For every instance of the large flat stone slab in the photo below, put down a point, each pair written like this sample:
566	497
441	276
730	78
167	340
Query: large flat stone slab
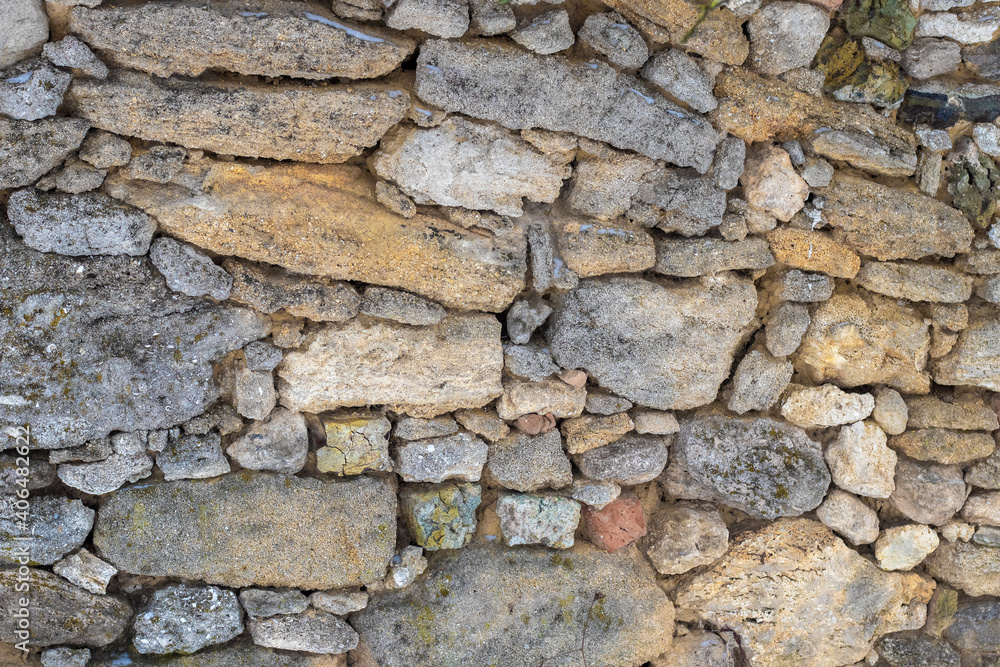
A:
664	344
423	371
283	121
490	605
263	37
91	345
324	220
520	90
252	529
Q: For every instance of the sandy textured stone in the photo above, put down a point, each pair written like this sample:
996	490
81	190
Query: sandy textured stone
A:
58	525
476	624
431	370
975	359
265	37
758	382
188	270
61	613
785	328
889	223
813	251
442	18
241	653
760	466
849	516
982	509
546	33
29	150
610	35
826	405
552	395
592	248
71	52
890	411
702	256
660	330
967	566
682	536
864	152
262	602
857	338
270	289
630	460
861	462
678	200
785	35
314	630
916	282
494	81
302	533
25	29
283	121
965	410
928	492
590	431
697	648
236	208
944	445
528	463
476	166
605	180
128	462
86	571
390	304
791	591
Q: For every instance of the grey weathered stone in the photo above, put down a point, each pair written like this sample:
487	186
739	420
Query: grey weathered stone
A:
785	327
849	516
314	630
928	492
442	18
826	405
192	457
796	285
601	402
85	224
89	452
158	164
761	466
916	282
964	411
928	57
417	428
188	38
60	612
524	317
390	304
40	474
651	350
483	422
497	600
128	462
26	27
486	79
188	270
676	200
184	619
611	35
698	648
975	627
968	566
32	89
280	444
65	657
547	33
758	382
864	152
302	533
974	360
605	180
527	463
523	397
461	456
340	603
491	17
785	35
103	149
238	653
251	393
529	361
86	571
683	78
594	494
77	176
728	166
531	519
630	460
28	150
71	52
261	356
326	124
703	256
262	602
683	536
269	289
891	412
56	526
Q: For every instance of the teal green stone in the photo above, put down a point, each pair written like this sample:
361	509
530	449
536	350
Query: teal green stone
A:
442	516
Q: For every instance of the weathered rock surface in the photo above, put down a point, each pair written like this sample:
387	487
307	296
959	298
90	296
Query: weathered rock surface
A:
849	516
916	282
497	599
188	270
761	466
610	35
29	150
423	371
683	536
944	445
303	533
270	289
633	459
61	613
861	462
56	526
185	619
282	121
826	405
527	463
928	492
188	38
121	329
486	79
703	256
966	566
461	456
651	360
797	569
964	411
314	631
975	359
236	207
592	248
785	35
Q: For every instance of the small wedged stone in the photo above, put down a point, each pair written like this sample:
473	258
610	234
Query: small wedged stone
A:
758	382
905	547
588	431
60	613
32	89
826	405
472	165
944	445
303	533
816	577
546	33
390	304
188	270
689	258
534	519
630	460
800	286
605	180
916	282
29	150
963	411
270	289
278	214
785	35
470	77
785	328
497	600
128	462
185	619
86	571
442	18
812	250
354	444
941	104
71	52
280	444
26	27
453	364
282	121
254	38
760	466
313	631
192	457
652	360
857	338
103	149
551	395
683	77
864	152
847	515
416	428
592	248
528	463
610	35
261	602
861	462
970	27
461	456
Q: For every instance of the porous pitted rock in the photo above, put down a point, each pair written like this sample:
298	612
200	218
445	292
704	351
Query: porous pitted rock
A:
861	462
785	35
678	200
546	33
103	149
698	648
441	516
32	89
281	121
340	603
633	459
158	164
796	594
302	532
589	431
71	52
551	395
975	359
54	527
266	37
442	18
141	354
703	256
527	463
127	462
616	525
532	519
493	81
280	444
25	29
928	492
29	150
473	165
65	657
974	627
86	571
889	223
785	328
681	76
813	251
944	445
857	338
916	282
761	466
967	566
261	602
453	364
390	304
270	289
849	516
497	603
325	221
192	457
800	286
355	444
461	456
826	405
758	382
188	270
592	248
905	547
610	35
185	619
683	536
605	180
663	345
59	612
964	411
313	631
241	653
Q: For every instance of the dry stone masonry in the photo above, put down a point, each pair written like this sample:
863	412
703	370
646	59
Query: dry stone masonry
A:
459	333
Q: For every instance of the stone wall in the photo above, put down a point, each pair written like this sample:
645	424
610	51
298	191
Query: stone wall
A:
497	332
